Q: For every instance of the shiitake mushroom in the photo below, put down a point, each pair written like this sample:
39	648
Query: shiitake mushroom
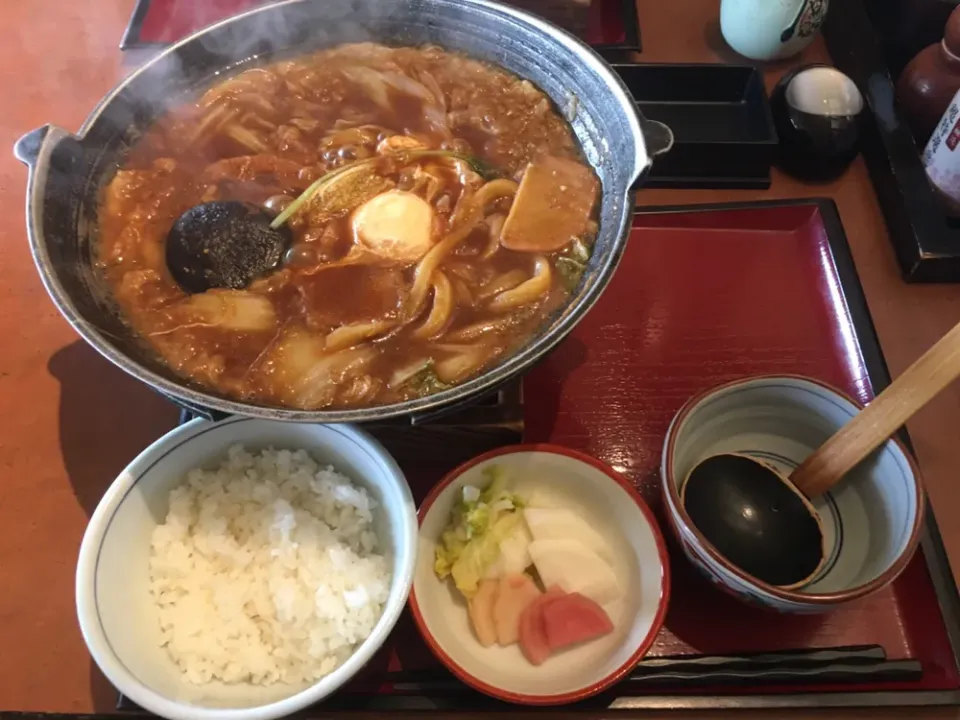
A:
224	244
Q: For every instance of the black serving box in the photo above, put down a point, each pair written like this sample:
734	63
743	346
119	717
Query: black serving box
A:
720	116
926	239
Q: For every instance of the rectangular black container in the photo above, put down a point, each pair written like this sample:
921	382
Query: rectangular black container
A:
723	130
925	238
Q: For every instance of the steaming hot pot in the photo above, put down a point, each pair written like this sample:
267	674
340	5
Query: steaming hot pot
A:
68	172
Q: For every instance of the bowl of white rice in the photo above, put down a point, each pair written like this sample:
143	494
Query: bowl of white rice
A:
246	569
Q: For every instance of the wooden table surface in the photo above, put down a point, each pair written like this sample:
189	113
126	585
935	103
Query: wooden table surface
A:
69	421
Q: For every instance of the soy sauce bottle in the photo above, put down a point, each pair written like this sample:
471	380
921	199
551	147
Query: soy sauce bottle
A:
929	82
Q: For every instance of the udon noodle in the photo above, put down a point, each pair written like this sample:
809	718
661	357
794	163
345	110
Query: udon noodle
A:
439	208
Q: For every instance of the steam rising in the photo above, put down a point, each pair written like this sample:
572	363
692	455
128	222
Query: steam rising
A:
266	32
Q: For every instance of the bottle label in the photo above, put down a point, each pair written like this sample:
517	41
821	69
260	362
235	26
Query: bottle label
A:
941	157
813	16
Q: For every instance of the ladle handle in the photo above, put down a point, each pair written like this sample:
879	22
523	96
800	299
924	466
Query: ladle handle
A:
869	429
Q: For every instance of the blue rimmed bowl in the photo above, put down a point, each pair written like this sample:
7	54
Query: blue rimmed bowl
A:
118	617
871	520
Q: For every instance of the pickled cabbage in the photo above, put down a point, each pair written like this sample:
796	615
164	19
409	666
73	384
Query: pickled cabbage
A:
480	520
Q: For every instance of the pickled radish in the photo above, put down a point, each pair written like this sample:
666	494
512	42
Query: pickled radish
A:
515	551
532	634
573	619
539	495
516	592
575	569
514	554
561	523
480	607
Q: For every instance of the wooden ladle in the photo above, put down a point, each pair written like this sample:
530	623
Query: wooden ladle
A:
763	522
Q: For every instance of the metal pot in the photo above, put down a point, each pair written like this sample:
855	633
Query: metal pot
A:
68	172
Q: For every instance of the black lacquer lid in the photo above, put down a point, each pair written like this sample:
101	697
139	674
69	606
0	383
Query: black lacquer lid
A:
817	112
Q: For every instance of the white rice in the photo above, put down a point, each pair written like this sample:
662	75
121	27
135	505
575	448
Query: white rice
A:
266	570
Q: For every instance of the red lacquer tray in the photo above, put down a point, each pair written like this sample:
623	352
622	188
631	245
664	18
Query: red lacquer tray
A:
612	24
705	295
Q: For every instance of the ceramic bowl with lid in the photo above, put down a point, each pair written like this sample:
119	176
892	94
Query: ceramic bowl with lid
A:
871	520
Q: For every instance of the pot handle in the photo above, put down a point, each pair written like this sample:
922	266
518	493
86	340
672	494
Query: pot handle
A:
657	139
27	148
34	150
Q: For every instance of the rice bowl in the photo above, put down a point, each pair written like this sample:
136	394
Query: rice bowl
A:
370	515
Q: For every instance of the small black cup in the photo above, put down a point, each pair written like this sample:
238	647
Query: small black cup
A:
817	112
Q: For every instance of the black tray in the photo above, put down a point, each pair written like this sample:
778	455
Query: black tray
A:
723	130
926	239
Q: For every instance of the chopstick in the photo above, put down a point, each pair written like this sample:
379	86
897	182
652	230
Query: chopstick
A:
855	672
790	658
852	664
